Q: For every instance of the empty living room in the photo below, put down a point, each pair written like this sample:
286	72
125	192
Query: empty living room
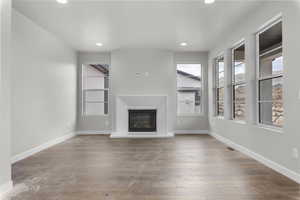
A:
149	100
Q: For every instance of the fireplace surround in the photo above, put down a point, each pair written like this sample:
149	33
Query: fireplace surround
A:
125	103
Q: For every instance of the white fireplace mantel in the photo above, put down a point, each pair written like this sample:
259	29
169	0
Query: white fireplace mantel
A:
124	103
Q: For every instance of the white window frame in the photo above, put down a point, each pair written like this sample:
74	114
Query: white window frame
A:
216	85
201	92
233	82
277	19
83	93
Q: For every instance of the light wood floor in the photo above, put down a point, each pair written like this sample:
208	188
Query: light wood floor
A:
181	168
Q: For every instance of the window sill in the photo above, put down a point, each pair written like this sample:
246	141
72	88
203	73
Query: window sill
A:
239	121
190	115
270	128
85	116
220	117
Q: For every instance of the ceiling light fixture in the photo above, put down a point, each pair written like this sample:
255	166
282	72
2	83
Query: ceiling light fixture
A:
183	44
99	44
209	1
62	1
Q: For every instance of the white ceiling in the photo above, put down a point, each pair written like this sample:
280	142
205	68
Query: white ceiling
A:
134	24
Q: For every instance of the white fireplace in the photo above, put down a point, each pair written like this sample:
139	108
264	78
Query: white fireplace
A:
141	104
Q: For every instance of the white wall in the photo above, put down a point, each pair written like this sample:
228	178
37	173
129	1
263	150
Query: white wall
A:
5	130
272	145
124	64
91	123
200	122
161	79
43	86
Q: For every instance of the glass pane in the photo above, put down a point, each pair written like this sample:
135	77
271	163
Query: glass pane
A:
220	108
97	70
96	83
189	102
271	64
271	89
96	108
239	102
189	76
220	63
220	94
96	95
190	69
271	113
239	64
221	81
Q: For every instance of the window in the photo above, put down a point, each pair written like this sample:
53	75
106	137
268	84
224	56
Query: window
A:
270	76
95	89
189	89
238	83
220	83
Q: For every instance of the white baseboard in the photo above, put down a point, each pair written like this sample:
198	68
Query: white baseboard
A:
93	132
42	147
5	188
271	164
169	135
196	132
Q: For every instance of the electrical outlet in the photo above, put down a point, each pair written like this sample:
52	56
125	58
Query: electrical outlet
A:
295	153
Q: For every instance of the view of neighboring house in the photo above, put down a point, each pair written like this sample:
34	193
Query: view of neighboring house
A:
189	88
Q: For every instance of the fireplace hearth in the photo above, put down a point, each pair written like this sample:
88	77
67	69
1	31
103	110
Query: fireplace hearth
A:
142	120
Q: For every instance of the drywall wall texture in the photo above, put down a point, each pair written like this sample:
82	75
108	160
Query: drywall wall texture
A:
275	146
145	72
43	86
92	124
5	123
124	81
194	122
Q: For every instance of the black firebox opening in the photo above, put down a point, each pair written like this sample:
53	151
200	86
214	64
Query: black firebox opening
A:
142	120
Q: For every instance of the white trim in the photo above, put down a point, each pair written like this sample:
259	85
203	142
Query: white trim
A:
273	21
269	163
5	189
93	132
169	135
41	147
196	132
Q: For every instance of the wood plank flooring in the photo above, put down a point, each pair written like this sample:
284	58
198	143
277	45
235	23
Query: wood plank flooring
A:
180	168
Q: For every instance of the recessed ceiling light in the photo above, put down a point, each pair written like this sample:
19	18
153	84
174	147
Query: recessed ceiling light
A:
183	44
99	44
62	1
209	1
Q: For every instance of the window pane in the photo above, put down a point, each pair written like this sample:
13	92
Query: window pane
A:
239	102
96	83
97	70
190	69
221	82
189	101
271	65
271	113
96	95
220	94
270	51
220	108
221	64
271	89
239	64
189	88
96	108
